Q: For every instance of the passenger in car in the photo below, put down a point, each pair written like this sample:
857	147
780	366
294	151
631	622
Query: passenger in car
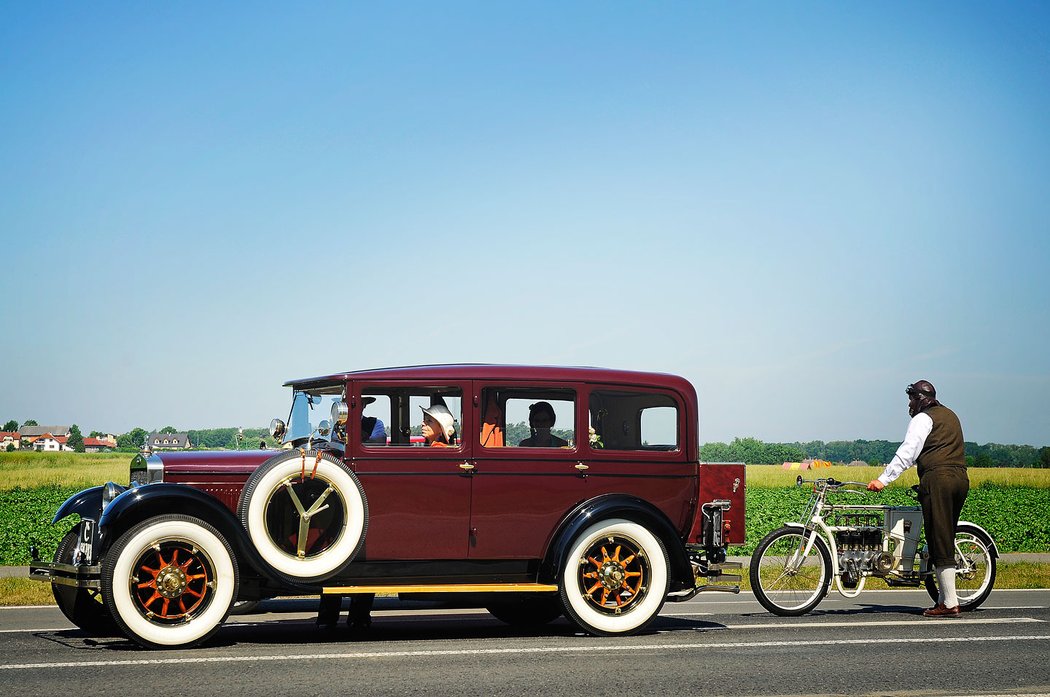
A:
372	429
438	426
541	421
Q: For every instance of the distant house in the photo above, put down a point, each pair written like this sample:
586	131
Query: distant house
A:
99	444
30	432
48	443
10	438
169	441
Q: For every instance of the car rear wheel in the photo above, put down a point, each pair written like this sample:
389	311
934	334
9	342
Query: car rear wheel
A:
306	515
615	578
170	581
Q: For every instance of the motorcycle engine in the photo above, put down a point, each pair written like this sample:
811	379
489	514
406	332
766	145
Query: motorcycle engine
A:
860	551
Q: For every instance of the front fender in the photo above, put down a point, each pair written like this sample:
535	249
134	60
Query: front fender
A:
142	502
137	504
618	506
86	504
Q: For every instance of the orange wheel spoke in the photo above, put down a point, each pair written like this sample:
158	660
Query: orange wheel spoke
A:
616	553
629	559
196	577
594	561
195	594
605	596
182	606
154	597
174	557
632	574
605	555
148	584
164	607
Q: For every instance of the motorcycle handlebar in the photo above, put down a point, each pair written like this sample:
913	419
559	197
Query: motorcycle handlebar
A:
831	483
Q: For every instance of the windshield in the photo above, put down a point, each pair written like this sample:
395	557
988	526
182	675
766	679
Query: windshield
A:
310	408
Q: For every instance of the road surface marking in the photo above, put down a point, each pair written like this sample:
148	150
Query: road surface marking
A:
617	647
862	622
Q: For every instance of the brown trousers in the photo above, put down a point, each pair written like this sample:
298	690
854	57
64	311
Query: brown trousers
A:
942	493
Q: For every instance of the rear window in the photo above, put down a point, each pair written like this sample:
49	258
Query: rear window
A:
627	420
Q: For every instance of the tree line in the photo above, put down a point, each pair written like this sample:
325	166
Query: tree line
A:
749	450
873	452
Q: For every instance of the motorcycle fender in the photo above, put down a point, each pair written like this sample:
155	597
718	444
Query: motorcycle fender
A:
995	549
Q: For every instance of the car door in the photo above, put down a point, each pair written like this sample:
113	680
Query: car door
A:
418	496
522	488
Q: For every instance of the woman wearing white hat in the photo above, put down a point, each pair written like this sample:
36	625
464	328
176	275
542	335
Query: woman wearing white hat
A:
438	426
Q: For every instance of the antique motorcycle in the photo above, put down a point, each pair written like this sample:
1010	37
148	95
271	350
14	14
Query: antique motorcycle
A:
793	566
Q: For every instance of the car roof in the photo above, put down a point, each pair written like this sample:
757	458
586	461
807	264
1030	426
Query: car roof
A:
486	371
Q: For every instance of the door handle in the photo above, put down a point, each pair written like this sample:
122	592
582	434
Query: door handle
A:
582	467
467	467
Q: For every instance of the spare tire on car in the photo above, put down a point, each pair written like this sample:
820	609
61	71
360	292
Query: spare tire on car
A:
306	514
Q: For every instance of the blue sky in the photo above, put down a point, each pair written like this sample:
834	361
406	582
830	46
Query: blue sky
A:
801	207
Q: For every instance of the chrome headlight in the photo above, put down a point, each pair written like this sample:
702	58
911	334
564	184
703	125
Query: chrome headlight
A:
111	491
339	413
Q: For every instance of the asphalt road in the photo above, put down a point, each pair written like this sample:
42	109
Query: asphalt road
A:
713	645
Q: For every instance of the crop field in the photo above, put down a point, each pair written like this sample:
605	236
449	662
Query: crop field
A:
771	476
79	470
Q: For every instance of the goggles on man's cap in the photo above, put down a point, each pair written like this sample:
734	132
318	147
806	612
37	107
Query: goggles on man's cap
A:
913	390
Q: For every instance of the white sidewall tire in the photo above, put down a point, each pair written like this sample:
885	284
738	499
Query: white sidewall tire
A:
582	612
130	548
350	539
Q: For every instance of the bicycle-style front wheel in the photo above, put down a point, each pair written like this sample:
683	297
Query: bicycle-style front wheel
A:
974	567
786	579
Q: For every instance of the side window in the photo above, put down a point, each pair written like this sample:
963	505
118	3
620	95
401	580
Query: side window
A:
412	417
528	418
624	420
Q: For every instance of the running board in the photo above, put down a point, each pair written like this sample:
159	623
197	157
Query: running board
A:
444	588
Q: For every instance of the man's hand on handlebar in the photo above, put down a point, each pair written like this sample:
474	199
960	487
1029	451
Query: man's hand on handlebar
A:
875	485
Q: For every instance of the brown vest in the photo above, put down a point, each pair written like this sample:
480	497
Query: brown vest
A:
944	446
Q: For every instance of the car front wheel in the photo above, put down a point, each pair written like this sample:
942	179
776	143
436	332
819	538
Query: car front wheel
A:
170	581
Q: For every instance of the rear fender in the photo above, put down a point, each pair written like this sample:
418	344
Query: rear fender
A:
967	525
618	506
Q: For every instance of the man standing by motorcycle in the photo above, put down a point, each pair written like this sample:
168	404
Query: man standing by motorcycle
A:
934	442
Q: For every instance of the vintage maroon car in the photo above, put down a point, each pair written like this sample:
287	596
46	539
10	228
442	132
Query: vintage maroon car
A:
535	492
